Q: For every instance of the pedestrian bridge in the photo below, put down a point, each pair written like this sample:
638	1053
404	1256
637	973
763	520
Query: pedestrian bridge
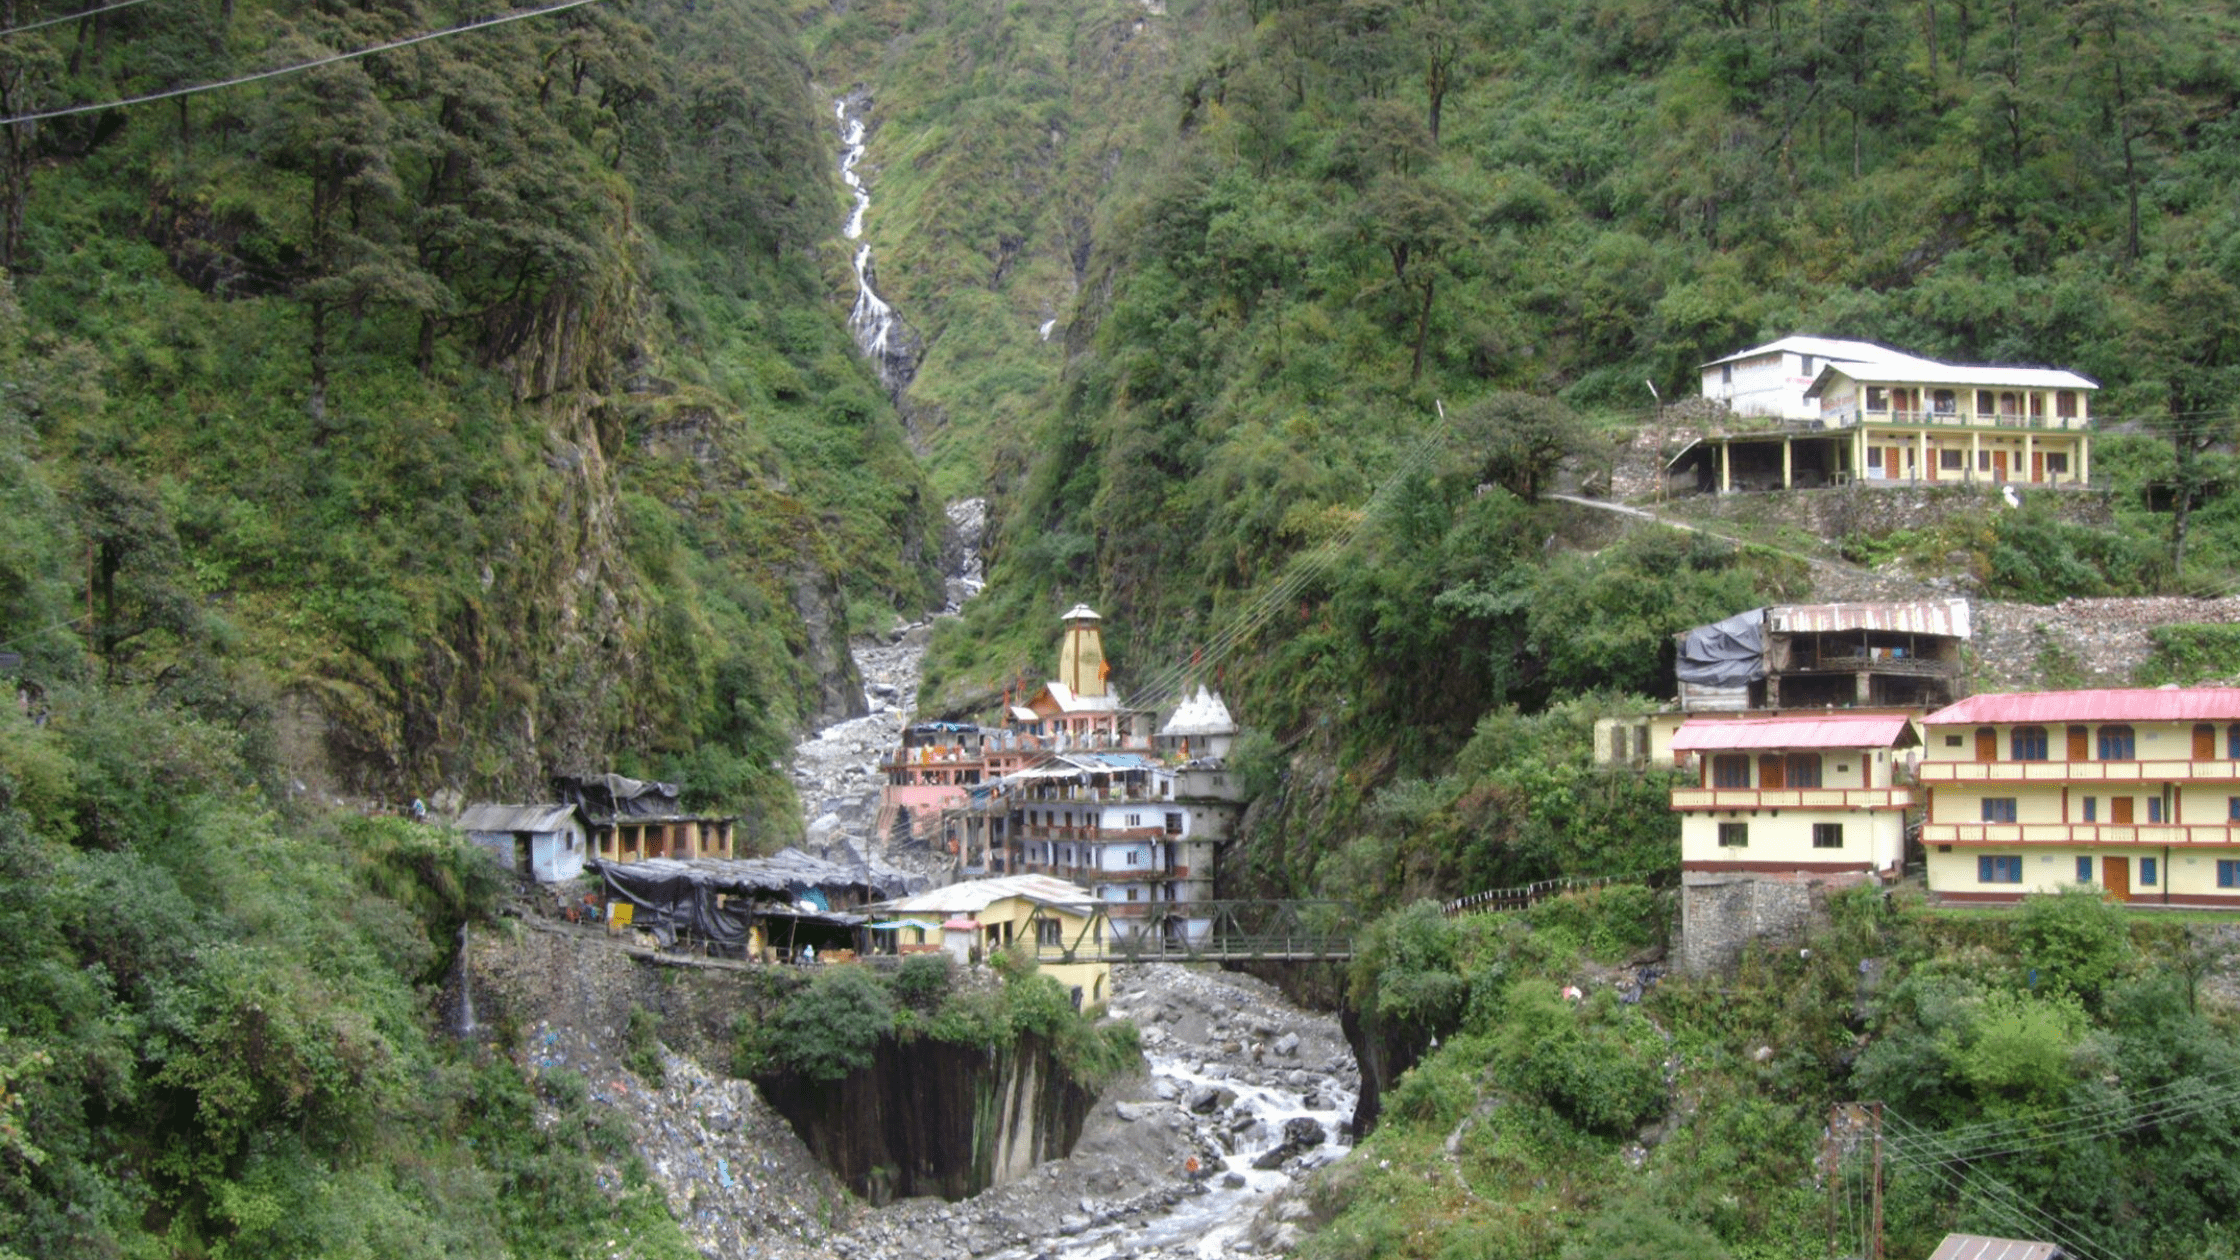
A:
1199	931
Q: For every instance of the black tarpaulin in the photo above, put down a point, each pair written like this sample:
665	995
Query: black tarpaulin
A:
614	796
672	897
1728	653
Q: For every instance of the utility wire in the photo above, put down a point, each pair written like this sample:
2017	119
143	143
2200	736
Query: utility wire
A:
100	106
96	11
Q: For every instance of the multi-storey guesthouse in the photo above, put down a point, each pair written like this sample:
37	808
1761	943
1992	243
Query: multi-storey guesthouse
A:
2135	792
1812	411
1773	808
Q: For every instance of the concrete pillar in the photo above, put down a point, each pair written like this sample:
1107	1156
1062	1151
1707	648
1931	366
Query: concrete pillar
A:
1788	479
2084	461
1726	467
2027	471
1975	452
1921	469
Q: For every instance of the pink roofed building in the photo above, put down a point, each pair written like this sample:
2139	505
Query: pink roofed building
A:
1778	808
2132	791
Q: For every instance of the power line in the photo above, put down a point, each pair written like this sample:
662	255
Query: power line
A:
298	67
96	11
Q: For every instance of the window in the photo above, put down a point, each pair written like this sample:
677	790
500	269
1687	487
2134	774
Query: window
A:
1048	932
1730	770
2147	872
1878	398
2092	809
1132	894
1807	362
2084	870
2232	741
1135	820
1134	858
2065	406
1726	374
2232	809
1983	461
1803	770
2057	463
2228	874
1952	461
2029	743
1998	809
1998	870
2154	809
1944	402
2117	744
1174	824
1953	741
1984	402
1827	835
1734	835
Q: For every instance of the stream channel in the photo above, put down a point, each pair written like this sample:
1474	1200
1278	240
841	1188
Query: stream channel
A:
1243	1094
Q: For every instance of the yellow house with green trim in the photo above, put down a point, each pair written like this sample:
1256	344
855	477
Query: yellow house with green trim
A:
1028	910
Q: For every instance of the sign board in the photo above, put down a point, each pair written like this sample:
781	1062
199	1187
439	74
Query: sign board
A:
618	913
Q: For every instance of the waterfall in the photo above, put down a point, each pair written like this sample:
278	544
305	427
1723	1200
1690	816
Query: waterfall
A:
464	1025
882	336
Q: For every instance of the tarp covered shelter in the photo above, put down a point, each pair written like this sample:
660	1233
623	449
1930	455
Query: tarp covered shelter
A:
608	796
1728	653
717	901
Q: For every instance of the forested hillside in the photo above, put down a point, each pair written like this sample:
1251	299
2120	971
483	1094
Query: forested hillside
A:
481	409
439	419
1535	214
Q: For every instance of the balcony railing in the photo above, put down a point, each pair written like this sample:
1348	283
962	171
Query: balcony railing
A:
2174	835
1792	798
2159	771
1852	417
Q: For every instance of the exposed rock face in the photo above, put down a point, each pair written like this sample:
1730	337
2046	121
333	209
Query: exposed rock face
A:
935	1118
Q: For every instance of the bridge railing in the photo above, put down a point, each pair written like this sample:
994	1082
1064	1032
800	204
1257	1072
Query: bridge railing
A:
1524	897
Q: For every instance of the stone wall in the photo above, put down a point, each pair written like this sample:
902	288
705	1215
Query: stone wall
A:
1840	511
2077	642
1720	913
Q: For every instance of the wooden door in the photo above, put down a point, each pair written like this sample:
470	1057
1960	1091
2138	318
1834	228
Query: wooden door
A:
2037	465
2115	872
2119	809
2204	742
1987	744
1770	771
1998	465
2079	744
1890	463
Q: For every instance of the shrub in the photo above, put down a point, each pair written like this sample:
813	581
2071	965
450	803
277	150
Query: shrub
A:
2075	940
923	981
831	1027
1599	1065
641	1047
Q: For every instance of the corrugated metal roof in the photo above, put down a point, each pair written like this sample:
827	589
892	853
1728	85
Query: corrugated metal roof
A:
1832	731
488	817
1983	1247
1945	617
2136	704
973	896
1907	370
1819	348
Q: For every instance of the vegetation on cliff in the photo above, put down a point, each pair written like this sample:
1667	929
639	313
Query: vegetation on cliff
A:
1691	1119
483	404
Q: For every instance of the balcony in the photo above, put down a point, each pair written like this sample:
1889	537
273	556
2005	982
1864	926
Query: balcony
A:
1792	798
2180	835
2050	772
1849	417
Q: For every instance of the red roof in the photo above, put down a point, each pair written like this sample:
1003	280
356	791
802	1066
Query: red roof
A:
2137	704
1851	730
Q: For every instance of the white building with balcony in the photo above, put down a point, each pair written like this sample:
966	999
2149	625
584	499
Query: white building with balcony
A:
1111	822
1809	412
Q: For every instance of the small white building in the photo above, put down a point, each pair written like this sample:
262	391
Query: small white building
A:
1201	727
545	843
1771	380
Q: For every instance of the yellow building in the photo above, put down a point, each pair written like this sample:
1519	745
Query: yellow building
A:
1810	795
1033	910
1872	415
2136	792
